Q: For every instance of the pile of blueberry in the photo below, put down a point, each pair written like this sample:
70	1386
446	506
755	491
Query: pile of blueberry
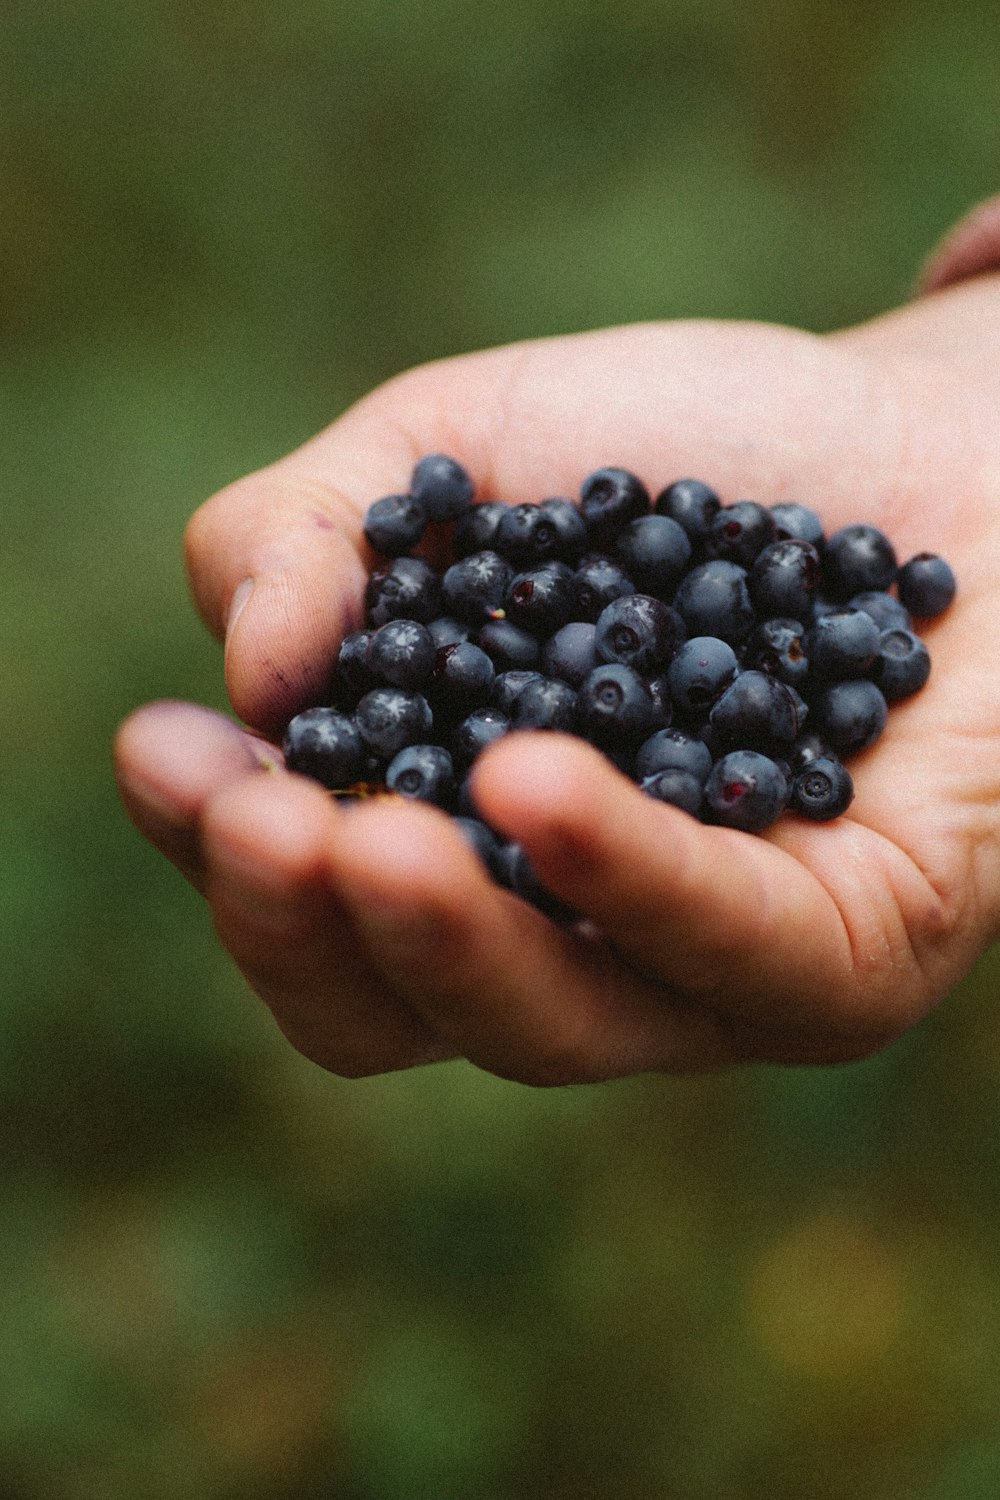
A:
728	658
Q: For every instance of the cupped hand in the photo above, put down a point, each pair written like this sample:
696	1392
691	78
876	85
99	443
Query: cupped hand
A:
371	931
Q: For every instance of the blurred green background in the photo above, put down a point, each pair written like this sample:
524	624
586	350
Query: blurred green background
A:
223	1273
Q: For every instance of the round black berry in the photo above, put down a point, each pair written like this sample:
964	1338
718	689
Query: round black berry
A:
746	790
640	632
857	558
388	719
474	588
442	486
691	504
423	773
609	499
700	672
476	529
740	532
402	653
799	523
673	750
926	585
654	550
675	786
713	599
614	706
783	580
902	666
851	715
407	590
325	744
822	790
395	524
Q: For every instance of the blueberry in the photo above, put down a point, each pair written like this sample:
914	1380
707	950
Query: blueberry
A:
571	652
474	588
475	732
423	773
442	486
476	529
783	580
777	647
842	644
746	790
700	672
609	498
613	706
640	632
740	532
654	550
542	599
675	786
402	653
926	585
822	790
857	558
532	534
673	750
691	504
325	744
714	599
447	631
395	524
508	686
599	581
902	666
757	712
545	704
353	676
851	715
885	609
508	646
482	840
388	719
570	528
798	523
407	590
463	677
525	537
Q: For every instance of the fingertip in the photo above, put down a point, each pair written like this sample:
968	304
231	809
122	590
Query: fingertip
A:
168	755
542	789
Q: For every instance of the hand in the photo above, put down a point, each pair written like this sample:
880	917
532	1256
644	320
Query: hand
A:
373	934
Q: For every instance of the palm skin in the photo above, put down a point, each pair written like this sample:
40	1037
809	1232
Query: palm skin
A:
373	935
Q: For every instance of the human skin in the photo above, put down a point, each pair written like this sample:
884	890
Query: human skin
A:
373	934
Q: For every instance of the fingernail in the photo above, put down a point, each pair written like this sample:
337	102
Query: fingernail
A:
238	604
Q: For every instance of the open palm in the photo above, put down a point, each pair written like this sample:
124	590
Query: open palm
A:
373	934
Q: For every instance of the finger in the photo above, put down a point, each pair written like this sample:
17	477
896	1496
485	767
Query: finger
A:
169	758
734	921
505	986
277	559
265	847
